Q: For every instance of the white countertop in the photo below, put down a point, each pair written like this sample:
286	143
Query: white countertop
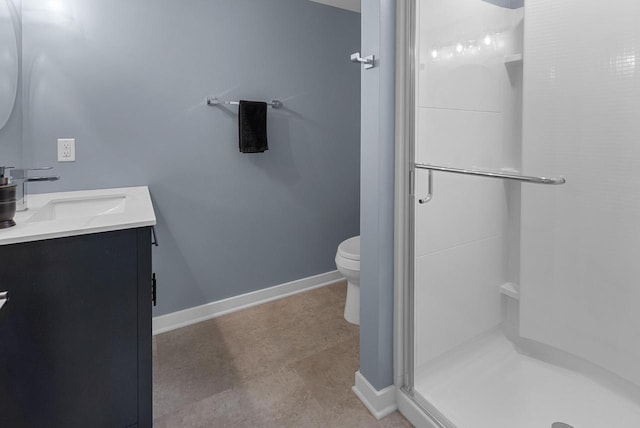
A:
59	215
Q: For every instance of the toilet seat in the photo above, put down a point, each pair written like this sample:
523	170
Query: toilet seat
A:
350	249
348	255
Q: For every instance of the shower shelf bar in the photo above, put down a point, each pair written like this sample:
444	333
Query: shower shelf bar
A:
215	102
481	173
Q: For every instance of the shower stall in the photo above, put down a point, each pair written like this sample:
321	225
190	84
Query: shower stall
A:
521	306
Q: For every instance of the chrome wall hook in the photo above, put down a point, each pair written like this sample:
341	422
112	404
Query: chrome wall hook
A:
369	61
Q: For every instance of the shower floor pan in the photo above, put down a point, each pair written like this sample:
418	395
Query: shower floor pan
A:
492	385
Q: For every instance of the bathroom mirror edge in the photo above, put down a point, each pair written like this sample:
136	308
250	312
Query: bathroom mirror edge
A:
10	90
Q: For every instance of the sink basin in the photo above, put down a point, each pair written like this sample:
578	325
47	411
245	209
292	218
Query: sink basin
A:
81	212
80	207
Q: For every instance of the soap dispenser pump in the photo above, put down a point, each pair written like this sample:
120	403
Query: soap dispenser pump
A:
4	175
7	199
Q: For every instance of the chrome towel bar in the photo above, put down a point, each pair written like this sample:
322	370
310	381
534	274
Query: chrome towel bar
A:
481	173
216	102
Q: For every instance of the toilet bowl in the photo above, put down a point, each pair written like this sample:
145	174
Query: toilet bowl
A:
348	264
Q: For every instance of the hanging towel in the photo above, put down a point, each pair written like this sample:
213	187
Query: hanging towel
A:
252	121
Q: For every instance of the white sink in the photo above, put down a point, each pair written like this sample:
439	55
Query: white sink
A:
59	215
81	207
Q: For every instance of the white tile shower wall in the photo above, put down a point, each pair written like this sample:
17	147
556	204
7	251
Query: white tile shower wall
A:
463	210
461	137
458	296
580	241
462	49
467	109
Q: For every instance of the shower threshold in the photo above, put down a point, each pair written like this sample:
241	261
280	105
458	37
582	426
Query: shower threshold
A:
492	385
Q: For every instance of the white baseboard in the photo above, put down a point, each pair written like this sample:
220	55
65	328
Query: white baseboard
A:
175	320
380	403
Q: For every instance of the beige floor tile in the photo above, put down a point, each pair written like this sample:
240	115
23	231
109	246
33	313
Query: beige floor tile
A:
288	363
191	365
277	400
330	374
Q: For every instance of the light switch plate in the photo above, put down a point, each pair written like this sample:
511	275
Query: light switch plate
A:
66	150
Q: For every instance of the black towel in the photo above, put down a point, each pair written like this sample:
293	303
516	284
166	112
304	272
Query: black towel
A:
252	121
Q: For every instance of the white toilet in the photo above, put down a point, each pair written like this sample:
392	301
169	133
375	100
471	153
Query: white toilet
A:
348	264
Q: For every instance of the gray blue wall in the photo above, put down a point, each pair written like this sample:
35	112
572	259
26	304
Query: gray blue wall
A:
377	189
128	80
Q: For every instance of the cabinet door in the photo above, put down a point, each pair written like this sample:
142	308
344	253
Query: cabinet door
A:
68	335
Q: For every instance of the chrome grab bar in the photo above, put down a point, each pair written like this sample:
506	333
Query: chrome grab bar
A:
480	173
493	174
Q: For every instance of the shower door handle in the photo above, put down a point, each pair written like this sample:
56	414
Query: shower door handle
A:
369	61
430	194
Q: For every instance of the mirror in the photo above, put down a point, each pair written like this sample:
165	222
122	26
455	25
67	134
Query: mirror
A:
9	61
10	87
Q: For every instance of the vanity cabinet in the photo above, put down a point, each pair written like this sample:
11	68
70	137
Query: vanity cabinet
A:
75	335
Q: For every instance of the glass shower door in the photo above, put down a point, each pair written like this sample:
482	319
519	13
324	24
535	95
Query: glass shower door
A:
525	289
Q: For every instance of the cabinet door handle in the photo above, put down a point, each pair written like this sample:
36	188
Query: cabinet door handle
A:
154	290
4	298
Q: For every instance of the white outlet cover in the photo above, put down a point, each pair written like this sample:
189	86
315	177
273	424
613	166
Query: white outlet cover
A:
66	150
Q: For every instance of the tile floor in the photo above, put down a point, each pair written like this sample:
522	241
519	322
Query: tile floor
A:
288	363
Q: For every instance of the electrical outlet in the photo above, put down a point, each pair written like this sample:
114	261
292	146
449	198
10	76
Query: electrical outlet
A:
66	150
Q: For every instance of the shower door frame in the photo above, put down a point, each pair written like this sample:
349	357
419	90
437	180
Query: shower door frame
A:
418	412
405	199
